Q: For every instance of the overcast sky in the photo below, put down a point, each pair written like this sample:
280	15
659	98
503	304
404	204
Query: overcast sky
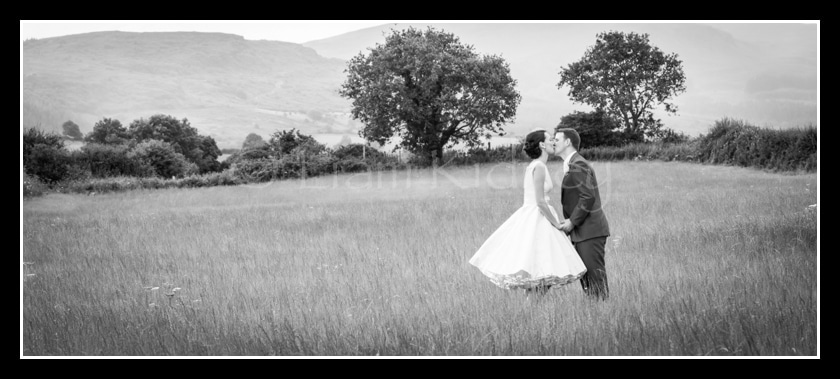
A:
296	31
300	31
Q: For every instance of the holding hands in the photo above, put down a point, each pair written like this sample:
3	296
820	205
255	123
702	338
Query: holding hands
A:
566	226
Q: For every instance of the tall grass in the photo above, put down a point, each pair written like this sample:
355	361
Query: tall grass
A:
702	261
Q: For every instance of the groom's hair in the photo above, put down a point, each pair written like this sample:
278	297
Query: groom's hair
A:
572	135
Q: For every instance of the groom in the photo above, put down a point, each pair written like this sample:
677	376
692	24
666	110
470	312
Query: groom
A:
585	221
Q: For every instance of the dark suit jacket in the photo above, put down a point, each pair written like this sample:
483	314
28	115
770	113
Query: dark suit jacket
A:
582	202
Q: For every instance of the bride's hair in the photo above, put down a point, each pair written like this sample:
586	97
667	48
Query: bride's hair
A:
532	143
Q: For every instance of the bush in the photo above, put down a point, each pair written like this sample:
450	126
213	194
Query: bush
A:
806	147
206	156
309	148
475	155
33	187
153	163
251	171
321	164
357	150
668	135
387	164
352	164
261	170
109	160
45	157
103	185
479	155
184	139
421	160
159	158
735	142
33	136
156	183
192	181
123	183
251	153
643	151
108	132
285	142
225	178
47	163
596	128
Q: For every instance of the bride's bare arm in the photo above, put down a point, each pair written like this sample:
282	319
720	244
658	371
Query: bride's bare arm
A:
539	192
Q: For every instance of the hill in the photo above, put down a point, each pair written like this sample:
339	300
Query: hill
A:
225	85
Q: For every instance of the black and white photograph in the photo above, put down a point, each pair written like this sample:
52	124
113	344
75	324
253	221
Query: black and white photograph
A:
380	189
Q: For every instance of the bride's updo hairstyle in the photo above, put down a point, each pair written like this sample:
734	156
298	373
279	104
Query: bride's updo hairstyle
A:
532	143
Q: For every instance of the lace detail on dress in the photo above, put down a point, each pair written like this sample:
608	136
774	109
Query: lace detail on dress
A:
523	280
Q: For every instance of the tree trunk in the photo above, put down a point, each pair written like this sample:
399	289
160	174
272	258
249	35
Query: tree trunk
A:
442	141
635	125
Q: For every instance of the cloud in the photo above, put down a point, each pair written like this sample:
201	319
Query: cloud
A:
773	82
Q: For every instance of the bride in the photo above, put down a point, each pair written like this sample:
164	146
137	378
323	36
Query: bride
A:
528	251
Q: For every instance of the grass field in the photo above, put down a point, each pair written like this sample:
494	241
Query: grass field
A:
703	260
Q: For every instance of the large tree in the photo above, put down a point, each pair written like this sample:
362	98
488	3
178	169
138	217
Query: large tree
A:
627	77
429	90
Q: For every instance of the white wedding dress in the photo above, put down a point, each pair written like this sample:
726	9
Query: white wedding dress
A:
526	251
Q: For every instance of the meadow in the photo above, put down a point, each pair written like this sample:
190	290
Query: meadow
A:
703	260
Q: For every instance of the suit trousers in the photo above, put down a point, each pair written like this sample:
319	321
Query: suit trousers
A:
594	282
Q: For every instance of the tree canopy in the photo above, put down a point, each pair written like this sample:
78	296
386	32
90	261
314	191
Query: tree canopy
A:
430	90
285	142
184	138
624	75
108	131
253	141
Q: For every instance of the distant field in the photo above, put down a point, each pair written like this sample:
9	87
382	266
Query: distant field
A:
73	145
703	260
